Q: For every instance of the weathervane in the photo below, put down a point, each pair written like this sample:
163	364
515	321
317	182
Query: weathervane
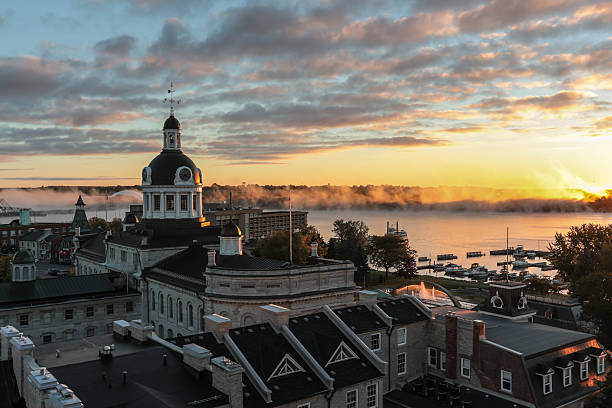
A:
171	100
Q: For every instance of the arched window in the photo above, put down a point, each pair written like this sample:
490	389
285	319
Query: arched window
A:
17	273
161	331
26	273
152	300
190	315
180	310
170	307
161	303
170	333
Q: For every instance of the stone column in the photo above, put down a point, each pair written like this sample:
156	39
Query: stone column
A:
177	205
21	347
7	332
40	382
63	397
227	378
162	205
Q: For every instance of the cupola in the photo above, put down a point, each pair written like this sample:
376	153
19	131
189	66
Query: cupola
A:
23	266
230	240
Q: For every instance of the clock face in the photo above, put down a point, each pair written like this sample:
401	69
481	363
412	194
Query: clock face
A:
185	174
144	174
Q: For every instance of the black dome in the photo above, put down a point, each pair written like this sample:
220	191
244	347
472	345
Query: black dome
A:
164	166
230	230
172	123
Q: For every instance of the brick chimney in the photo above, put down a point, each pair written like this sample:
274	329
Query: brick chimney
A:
368	298
211	257
227	378
277	316
217	325
478	334
197	357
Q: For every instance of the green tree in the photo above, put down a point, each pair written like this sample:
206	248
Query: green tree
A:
349	243
95	222
538	285
116	225
407	266
387	252
577	253
277	245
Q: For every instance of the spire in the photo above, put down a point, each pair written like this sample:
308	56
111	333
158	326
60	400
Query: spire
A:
80	202
171	100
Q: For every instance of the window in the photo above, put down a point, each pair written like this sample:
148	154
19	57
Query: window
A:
46	317
465	368
180	311
432	359
601	364
567	376
123	256
372	396
170	307
161	303
68	314
170	333
183	202
90	331
152	300
170	202
351	399
401	336
401	364
112	253
375	342
190	315
506	381
110	309
89	312
342	353
129	307
23	320
194	200
547	384
156	202
442	361
47	338
584	370
286	366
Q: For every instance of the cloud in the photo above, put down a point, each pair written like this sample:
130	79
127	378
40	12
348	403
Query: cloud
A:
120	46
29	75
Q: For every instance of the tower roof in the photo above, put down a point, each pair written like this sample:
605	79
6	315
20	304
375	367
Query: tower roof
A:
231	230
164	166
80	201
172	123
23	256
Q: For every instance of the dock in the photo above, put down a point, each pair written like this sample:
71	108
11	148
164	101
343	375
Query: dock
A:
446	257
474	254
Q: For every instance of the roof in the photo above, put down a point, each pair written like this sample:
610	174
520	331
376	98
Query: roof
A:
45	290
92	246
149	383
403	311
172	123
80	221
154	233
33	235
164	166
564	316
248	262
231	230
23	256
322	338
360	319
265	349
190	263
80	201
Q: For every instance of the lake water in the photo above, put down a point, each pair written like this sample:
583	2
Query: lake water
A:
433	233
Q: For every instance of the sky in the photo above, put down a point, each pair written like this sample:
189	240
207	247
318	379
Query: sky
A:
483	93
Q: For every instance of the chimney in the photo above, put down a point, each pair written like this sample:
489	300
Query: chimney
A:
63	397
387	227
478	334
227	378
451	345
314	249
277	316
139	331
211	258
21	348
197	357
7	332
368	298
217	325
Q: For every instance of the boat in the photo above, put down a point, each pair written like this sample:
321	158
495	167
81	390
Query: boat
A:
478	271
446	257
423	259
455	270
474	254
396	231
531	255
519	263
519	252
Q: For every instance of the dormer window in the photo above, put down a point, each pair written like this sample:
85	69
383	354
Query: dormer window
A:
497	301
567	376
522	303
584	370
548	314
547	384
601	364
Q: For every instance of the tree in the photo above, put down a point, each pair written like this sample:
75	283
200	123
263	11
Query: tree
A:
95	222
538	285
577	253
350	244
6	273
391	251
602	399
277	245
116	225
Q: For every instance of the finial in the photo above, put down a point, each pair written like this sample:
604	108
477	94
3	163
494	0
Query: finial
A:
171	100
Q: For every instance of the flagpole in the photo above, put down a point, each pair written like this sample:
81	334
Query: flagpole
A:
290	230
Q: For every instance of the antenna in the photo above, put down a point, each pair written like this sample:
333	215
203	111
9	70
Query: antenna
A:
171	99
507	254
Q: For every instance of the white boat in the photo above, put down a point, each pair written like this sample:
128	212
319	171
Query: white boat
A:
519	263
455	270
477	271
396	231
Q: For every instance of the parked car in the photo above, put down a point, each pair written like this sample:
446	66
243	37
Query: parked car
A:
53	272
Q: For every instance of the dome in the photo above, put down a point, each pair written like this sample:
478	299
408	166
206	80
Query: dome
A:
172	123
164	166
131	219
23	256
231	230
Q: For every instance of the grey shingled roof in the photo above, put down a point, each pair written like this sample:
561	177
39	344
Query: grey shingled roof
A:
32	235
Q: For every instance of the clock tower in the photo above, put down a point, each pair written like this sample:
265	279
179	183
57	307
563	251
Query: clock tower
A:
171	183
